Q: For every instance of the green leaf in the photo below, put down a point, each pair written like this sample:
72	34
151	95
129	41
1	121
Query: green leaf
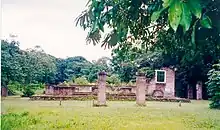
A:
174	15
101	27
193	34
156	15
206	22
110	40
195	7
186	17
167	3
114	39
94	27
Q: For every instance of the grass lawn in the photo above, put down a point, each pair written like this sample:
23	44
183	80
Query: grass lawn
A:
23	114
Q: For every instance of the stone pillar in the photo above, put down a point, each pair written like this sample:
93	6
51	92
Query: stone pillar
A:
140	89
189	92
199	90
101	89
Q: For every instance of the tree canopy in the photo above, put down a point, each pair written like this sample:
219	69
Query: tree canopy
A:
26	66
36	66
184	34
143	19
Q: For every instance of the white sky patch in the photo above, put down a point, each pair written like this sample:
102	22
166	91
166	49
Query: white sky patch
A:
49	24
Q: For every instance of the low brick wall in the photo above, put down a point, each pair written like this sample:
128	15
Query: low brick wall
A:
71	90
109	97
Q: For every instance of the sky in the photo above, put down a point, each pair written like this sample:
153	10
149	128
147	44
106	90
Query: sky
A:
51	25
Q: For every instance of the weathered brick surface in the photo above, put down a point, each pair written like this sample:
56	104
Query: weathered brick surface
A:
68	90
199	91
140	90
85	88
125	90
4	92
49	90
167	88
64	90
189	92
151	86
160	87
170	83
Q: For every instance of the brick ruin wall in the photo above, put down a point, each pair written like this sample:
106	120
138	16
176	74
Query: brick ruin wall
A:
167	89
152	88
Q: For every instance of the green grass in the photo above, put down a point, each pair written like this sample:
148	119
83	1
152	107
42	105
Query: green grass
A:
22	114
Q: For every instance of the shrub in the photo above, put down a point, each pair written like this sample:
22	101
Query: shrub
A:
148	71
14	88
213	86
11	90
81	81
28	92
66	83
113	80
130	83
36	86
12	121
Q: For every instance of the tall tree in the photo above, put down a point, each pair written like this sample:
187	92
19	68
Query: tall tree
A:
38	66
213	86
10	64
26	66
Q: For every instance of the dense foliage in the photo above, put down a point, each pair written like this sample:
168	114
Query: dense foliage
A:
181	34
21	69
143	19
113	80
214	86
30	66
81	81
127	59
28	92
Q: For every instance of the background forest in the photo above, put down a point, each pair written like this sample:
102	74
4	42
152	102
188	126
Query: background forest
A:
33	68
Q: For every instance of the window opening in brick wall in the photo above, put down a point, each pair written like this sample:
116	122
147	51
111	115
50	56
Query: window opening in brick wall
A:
160	76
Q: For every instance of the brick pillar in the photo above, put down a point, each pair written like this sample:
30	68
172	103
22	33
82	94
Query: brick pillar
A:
101	89
141	88
189	92
199	90
4	91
